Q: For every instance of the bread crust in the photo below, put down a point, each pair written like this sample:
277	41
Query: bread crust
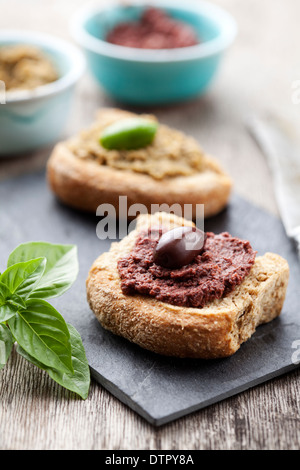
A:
85	184
215	331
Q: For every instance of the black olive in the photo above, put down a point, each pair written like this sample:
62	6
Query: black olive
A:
179	246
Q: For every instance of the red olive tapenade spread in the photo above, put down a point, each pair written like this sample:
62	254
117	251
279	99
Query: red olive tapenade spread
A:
222	265
154	30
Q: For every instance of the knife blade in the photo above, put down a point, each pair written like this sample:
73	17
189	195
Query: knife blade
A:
283	157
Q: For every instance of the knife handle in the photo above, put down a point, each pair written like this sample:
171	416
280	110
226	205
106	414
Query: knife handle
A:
297	240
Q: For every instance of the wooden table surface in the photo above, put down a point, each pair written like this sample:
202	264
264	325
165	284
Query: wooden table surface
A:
256	78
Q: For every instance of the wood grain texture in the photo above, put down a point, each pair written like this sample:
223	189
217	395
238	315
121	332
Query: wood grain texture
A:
36	413
256	77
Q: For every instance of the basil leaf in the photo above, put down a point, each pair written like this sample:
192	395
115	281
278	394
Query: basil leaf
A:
21	278
7	311
61	268
4	293
6	344
79	382
17	302
43	333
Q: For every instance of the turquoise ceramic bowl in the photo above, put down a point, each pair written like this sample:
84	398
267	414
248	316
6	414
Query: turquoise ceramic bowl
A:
36	118
147	77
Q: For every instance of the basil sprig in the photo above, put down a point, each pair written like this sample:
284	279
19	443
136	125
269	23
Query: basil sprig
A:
37	271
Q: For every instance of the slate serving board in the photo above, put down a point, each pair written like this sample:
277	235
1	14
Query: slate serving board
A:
158	388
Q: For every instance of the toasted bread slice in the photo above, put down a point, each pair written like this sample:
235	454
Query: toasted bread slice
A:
84	183
216	330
